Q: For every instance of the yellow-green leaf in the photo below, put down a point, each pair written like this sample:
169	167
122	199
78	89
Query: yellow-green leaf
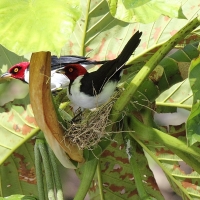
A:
31	26
145	12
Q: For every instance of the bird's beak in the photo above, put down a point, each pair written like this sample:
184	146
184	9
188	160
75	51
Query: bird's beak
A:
60	71
6	75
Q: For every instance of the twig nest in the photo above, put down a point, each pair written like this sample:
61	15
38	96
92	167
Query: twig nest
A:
92	128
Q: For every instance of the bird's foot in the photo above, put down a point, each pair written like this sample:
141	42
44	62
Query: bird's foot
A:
78	116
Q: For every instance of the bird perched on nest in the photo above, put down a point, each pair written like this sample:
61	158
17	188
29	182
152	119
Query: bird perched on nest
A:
21	70
90	90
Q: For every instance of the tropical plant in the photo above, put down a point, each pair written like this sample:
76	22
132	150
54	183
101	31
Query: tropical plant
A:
158	82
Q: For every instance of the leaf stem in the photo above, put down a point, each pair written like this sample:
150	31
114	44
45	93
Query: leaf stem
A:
149	66
38	168
56	175
82	48
100	181
162	167
47	168
131	151
145	133
88	174
179	105
30	135
172	92
187	158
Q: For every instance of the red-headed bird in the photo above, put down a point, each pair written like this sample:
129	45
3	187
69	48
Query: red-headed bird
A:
90	90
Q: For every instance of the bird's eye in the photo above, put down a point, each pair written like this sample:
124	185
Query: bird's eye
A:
71	69
16	70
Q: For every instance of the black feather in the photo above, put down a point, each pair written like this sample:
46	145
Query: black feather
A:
63	60
93	83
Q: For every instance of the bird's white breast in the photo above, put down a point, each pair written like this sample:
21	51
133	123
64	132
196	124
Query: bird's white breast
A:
85	101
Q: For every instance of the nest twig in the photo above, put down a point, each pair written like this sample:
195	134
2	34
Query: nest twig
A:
92	128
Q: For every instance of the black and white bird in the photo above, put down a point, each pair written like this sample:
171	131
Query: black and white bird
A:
21	70
90	90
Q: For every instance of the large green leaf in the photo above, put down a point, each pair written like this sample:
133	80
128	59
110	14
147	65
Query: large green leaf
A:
193	130
31	26
115	178
17	173
17	125
145	12
133	3
9	58
100	36
179	95
168	150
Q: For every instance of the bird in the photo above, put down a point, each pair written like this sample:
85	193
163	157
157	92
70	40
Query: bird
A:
21	70
91	90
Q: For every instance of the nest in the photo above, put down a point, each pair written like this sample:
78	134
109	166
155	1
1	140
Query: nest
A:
87	133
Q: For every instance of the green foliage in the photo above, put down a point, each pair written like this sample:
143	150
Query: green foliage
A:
20	197
117	168
144	11
118	171
37	25
193	130
16	127
18	171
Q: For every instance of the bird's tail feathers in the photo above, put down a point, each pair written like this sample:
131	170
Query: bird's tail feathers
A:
129	48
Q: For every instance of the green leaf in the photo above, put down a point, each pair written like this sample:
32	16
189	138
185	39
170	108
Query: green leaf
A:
140	167
31	26
8	59
193	129
134	3
115	179
146	70
13	197
179	95
168	151
18	171
10	89
145	11
101	36
86	174
18	196
17	125
171	70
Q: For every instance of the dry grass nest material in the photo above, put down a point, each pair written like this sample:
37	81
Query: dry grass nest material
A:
92	128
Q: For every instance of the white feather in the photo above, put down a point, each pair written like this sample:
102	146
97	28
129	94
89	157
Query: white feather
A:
85	101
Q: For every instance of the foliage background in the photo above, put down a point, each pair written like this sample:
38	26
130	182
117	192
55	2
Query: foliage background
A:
100	36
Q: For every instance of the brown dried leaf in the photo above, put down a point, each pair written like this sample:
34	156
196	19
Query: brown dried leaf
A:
43	108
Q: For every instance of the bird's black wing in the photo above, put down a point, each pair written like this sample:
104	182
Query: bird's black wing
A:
71	59
92	83
111	69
